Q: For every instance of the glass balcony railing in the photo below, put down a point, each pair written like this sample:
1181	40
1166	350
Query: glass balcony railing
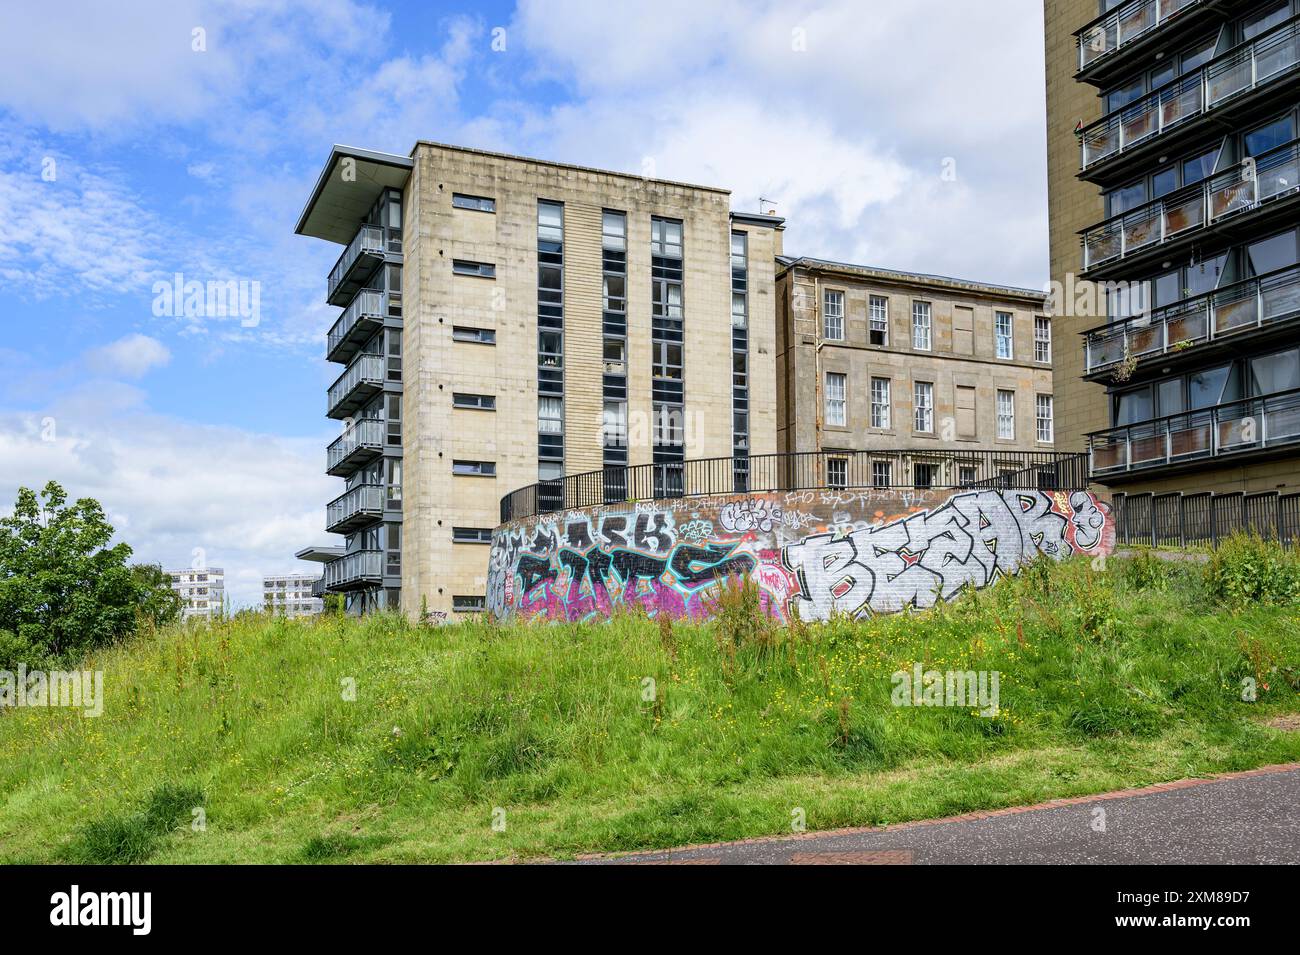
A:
1252	424
361	505
362	441
1261	61
357	264
1268	300
362	379
1186	212
355	570
1124	25
359	321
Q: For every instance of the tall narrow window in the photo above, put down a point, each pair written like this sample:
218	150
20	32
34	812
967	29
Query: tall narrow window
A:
882	474
667	327
833	315
1042	338
880	402
878	332
613	244
740	361
550	347
921	326
835	400
1043	418
923	406
837	472
1006	414
1002	330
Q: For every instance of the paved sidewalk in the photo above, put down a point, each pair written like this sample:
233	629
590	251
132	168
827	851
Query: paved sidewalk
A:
1240	818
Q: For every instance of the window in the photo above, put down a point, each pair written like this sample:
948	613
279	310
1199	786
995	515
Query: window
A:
667	359
1002	331
666	238
921	326
474	468
550	222
550	415
1043	418
923	475
837	472
666	298
468	604
471	535
1276	372
835	391
615	356
476	203
833	316
878	321
1006	414
1271	254
880	402
478	336
483	270
1042	338
966	475
882	474
614	424
613	231
475	402
923	406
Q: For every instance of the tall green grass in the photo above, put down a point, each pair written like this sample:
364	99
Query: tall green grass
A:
639	733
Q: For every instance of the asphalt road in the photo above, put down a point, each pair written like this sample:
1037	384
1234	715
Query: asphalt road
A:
1249	818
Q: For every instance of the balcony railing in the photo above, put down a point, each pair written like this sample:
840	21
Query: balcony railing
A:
355	570
359	321
355	508
363	379
878	470
361	442
359	260
1124	25
1270	299
1248	67
1233	428
1183	213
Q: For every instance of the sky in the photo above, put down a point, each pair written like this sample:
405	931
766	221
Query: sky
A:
141	140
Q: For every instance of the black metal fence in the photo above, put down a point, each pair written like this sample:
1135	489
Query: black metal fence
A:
1178	520
883	470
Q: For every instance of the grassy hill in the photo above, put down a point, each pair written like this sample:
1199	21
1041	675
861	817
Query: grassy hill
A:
1124	677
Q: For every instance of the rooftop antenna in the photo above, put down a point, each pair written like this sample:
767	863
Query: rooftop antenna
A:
763	206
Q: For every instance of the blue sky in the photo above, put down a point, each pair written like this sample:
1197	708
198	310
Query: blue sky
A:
133	147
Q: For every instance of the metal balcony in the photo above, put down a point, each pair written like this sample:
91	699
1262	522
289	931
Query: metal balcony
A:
1270	301
357	446
1123	26
364	254
363	379
1224	82
1188	214
356	508
1251	426
357	325
363	568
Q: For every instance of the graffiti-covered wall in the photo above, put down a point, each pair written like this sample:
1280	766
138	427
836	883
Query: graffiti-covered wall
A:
811	553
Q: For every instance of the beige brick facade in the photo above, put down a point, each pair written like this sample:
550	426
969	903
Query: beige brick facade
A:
961	364
434	570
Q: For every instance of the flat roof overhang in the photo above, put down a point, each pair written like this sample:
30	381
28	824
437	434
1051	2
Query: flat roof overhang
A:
347	188
318	554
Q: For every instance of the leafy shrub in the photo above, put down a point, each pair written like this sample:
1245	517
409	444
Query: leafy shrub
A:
1247	570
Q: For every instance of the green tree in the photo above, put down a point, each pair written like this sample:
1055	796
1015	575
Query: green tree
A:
158	603
63	589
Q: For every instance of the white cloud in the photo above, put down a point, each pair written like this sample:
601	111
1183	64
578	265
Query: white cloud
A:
247	500
131	357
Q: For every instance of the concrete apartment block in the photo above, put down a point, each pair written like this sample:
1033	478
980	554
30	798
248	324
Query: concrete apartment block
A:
469	246
291	595
1174	193
825	329
202	591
